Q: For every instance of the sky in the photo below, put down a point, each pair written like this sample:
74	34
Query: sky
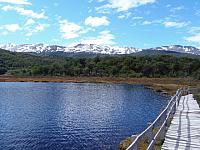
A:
133	23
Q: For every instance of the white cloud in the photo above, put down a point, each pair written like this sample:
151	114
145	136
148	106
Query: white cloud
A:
86	30
18	2
168	5
104	38
125	16
4	33
7	7
11	27
30	13
194	30
41	27
36	29
137	18
29	22
69	30
97	21
102	10
29	34
147	22
194	35
5	29
177	9
124	5
30	27
121	16
197	13
194	38
100	0
169	24
25	12
55	40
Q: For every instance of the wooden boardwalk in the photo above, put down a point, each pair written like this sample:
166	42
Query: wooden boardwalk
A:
184	131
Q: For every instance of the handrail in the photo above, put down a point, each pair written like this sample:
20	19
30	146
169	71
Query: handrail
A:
161	122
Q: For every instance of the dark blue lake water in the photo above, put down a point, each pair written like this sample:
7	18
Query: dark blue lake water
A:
55	116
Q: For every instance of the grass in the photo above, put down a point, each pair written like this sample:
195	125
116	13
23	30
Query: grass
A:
125	143
164	85
142	145
143	142
197	96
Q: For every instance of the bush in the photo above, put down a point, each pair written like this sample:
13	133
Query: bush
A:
3	71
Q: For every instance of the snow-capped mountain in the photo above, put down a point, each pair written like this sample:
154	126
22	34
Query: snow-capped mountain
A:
179	48
87	48
94	49
38	48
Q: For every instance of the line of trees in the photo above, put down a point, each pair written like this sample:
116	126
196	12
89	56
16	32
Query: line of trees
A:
3	69
160	66
126	66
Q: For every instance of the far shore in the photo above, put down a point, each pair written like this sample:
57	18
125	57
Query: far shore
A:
165	85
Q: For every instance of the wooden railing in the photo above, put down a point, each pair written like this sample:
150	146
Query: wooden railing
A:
194	90
157	130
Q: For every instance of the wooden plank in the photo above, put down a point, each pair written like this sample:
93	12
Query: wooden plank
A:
184	131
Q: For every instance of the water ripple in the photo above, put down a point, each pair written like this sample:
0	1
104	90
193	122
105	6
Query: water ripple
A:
73	116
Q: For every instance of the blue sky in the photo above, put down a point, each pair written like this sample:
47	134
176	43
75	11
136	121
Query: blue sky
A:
137	23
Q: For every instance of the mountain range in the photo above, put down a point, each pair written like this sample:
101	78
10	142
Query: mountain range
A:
96	49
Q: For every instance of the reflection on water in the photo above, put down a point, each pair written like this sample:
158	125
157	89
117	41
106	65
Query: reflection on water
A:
73	116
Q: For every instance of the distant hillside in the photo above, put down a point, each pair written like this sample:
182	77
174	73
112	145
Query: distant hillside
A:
157	53
26	59
142	65
74	55
14	61
92	55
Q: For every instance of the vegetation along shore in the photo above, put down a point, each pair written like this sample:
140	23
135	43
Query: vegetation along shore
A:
162	72
165	85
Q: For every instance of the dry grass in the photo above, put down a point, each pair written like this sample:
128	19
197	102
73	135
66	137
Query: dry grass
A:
143	145
197	96
125	143
165	85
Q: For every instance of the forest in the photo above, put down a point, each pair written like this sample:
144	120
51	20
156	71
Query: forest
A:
22	64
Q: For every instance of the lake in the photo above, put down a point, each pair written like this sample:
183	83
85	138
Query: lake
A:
56	116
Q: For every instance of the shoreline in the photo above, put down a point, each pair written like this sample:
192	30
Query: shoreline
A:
163	85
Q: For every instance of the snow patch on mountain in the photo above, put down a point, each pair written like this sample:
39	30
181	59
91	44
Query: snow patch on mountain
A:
87	48
93	48
179	48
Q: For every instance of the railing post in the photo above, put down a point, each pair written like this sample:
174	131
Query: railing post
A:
162	122
175	106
